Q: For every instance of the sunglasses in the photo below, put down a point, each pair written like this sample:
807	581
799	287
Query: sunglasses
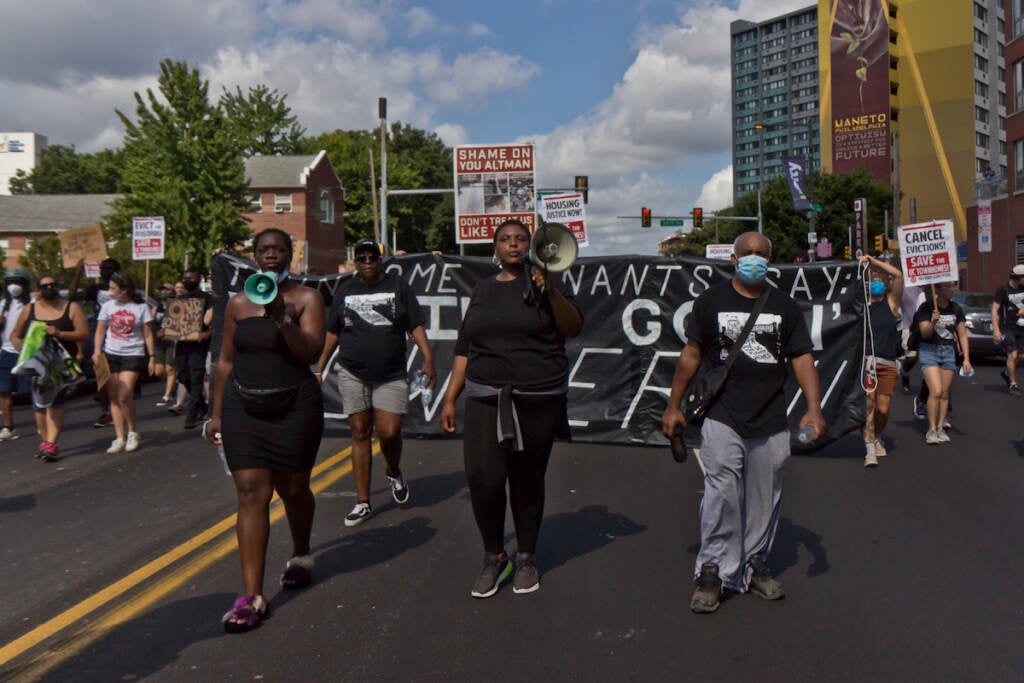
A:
48	285
367	259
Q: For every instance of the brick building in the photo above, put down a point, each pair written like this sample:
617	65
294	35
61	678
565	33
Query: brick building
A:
302	195
31	216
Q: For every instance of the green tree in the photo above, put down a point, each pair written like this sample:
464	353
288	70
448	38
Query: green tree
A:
43	258
181	162
260	122
62	170
416	160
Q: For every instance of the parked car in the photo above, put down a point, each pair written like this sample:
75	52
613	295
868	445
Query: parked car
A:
978	310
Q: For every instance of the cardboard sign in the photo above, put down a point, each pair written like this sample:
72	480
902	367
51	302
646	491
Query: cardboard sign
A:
184	320
928	253
147	238
86	242
101	368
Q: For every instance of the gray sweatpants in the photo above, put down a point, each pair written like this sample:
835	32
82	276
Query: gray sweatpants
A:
742	496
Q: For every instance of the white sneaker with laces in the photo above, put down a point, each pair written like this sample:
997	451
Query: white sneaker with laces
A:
932	437
880	448
399	489
942	436
8	434
116	446
132	442
359	514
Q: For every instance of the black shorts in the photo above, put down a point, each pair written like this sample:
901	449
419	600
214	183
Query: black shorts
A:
164	352
1013	341
139	364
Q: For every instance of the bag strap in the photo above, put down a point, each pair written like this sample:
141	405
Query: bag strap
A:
754	314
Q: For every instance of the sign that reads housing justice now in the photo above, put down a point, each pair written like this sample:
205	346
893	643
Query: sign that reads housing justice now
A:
928	253
567	209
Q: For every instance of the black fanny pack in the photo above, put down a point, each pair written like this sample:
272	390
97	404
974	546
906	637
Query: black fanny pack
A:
266	402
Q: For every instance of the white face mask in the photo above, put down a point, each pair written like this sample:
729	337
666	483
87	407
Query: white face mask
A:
15	289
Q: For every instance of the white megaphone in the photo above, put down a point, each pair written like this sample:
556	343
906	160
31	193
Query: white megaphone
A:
553	247
261	288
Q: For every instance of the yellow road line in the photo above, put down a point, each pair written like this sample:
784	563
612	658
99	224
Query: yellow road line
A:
147	571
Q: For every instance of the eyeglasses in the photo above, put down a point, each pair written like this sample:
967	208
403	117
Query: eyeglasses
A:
367	259
48	285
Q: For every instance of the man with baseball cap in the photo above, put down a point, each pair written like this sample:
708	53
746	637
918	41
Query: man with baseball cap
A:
371	315
1008	323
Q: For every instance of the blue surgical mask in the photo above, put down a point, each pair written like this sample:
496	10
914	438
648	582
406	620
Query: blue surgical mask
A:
752	269
877	288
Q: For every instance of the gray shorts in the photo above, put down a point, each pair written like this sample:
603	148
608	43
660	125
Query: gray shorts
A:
358	396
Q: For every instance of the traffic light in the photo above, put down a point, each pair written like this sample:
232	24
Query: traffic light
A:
581	185
846	252
879	243
698	217
645	217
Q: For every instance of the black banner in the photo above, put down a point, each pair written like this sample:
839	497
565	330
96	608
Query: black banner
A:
795	174
622	363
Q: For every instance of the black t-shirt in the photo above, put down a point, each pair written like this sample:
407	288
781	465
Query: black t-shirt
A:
371	323
508	341
884	330
752	401
945	330
1010	300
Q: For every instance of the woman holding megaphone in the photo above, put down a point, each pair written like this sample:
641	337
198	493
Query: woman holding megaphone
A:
510	358
268	415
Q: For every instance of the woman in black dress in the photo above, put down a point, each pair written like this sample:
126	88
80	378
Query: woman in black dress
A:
510	357
268	413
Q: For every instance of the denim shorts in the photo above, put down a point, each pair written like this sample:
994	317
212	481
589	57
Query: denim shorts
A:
936	355
9	382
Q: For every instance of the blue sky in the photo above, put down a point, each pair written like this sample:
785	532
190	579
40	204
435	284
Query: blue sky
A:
633	94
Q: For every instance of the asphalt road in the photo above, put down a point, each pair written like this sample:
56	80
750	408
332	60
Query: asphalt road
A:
118	568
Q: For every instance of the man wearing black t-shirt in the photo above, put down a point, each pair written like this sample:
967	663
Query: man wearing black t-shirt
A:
370	316
745	437
190	356
1008	323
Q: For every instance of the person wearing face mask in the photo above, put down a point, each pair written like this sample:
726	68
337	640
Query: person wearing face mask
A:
886	294
67	324
163	358
190	355
745	437
15	298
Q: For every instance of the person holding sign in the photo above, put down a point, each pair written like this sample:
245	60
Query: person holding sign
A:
942	323
193	337
268	414
1008	324
886	295
65	322
124	334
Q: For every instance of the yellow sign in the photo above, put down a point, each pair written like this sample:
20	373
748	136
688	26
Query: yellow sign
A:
86	242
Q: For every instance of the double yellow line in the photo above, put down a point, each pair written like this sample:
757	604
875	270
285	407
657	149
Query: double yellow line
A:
202	550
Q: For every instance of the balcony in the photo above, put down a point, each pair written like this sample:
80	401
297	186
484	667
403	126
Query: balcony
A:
990	185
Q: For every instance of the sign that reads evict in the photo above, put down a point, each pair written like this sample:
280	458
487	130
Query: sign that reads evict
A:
147	238
928	253
493	184
567	209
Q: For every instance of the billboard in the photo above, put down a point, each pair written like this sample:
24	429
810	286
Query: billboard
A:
859	49
493	184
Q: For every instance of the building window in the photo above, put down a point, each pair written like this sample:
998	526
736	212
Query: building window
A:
981	115
1020	250
981	140
981	89
255	202
326	207
5	243
980	37
980	63
1018	17
980	12
282	203
1018	164
1002	123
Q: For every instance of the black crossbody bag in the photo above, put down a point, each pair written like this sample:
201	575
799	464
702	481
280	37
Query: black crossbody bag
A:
704	391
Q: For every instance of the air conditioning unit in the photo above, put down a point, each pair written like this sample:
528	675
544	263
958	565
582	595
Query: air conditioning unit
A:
278	209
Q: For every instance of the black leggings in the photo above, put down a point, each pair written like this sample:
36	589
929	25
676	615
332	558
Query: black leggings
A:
488	466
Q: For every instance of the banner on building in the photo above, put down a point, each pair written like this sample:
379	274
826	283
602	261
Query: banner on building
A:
493	184
622	364
568	209
796	176
859	50
928	253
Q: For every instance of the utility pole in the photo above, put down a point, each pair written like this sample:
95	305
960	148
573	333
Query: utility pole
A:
382	112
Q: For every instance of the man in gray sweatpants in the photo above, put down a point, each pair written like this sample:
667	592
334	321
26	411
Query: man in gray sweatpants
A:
745	437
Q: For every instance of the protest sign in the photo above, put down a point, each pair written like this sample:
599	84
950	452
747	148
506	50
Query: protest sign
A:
184	320
928	253
147	238
567	209
493	184
85	242
721	252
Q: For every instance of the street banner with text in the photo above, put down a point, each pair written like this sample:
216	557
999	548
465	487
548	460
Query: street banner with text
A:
928	253
622	364
493	184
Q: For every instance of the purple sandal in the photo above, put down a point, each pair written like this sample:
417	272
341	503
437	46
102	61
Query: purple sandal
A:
246	614
298	573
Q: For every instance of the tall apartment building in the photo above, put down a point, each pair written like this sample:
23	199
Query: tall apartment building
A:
775	96
18	151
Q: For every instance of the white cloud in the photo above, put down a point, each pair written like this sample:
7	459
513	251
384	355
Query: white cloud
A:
478	30
452	134
717	191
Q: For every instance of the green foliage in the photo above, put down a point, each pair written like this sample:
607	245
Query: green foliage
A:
181	162
260	122
786	227
43	258
416	160
62	170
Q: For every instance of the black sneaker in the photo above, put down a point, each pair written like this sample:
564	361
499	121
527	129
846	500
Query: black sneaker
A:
399	489
1014	390
103	420
527	578
920	409
359	514
905	382
709	590
762	583
496	571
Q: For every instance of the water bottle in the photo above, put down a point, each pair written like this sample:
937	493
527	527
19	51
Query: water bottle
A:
421	384
805	435
223	459
964	373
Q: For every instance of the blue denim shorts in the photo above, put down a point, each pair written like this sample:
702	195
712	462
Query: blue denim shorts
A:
9	382
936	355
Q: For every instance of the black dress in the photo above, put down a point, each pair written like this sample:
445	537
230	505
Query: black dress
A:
288	441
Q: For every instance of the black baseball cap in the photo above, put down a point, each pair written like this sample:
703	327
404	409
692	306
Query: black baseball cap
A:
368	245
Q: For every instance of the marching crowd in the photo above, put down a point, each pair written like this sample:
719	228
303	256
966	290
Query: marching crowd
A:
264	406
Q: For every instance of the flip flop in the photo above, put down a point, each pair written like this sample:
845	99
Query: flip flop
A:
298	572
246	614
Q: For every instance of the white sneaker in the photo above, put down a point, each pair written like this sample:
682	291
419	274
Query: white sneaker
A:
132	442
880	448
116	446
942	436
359	514
932	437
165	401
8	434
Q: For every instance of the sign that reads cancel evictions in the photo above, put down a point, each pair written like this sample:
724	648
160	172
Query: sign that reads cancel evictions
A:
928	253
493	184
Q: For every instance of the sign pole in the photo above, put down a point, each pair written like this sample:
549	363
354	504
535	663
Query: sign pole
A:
146	291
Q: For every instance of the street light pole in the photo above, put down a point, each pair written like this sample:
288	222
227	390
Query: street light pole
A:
760	173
